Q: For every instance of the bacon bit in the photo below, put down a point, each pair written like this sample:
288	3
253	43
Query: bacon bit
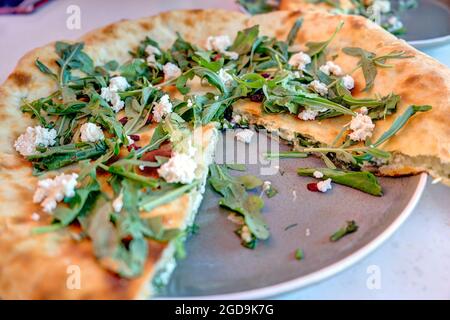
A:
257	97
265	75
123	120
84	98
165	150
217	57
126	241
133	146
149	119
135	137
312	187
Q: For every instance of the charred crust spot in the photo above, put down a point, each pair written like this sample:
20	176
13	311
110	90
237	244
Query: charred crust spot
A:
146	25
21	79
197	11
110	30
357	23
412	80
188	21
292	15
279	33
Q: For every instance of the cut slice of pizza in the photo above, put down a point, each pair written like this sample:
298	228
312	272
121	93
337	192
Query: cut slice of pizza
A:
370	71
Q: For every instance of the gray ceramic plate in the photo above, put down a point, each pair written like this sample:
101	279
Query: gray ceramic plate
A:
217	266
428	25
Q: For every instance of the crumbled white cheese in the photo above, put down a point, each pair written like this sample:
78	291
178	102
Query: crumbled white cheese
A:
381	6
308	114
245	135
112	97
237	219
395	23
325	185
129	141
118	84
162	108
226	78
27	142
317	174
118	203
319	87
180	168
216	98
362	127
307	232
266	186
299	60
294	195
190	150
246	235
363	110
171	71
90	132
35	216
348	82
236	119
330	68
231	54
50	191
152	51
189	103
218	43
221	44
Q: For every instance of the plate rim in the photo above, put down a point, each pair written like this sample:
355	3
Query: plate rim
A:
326	272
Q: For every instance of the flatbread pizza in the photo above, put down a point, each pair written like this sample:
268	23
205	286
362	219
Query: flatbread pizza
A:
107	141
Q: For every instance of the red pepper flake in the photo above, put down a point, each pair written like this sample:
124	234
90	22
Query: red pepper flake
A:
217	57
312	187
123	120
265	75
149	119
133	146
257	97
135	137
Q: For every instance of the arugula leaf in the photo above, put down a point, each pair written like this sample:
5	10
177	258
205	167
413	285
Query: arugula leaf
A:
287	154
369	62
61	156
257	6
294	31
299	254
80	204
163	196
315	48
400	122
244	40
250	182
44	69
363	180
236	166
72	57
237	199
349	228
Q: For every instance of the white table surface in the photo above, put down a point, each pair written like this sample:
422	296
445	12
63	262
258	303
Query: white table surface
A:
414	263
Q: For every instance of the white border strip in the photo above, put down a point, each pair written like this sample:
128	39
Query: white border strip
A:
326	272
